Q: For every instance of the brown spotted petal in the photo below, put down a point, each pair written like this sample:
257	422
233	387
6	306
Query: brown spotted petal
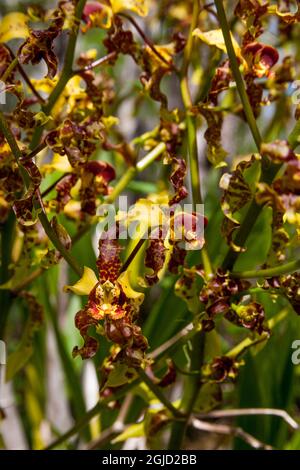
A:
108	262
11	184
95	177
24	208
289	17
63	189
289	286
250	316
188	227
177	259
187	289
77	141
215	152
252	12
5	60
280	237
177	179
170	375
220	81
155	259
237	194
216	296
39	45
221	369
121	41
83	321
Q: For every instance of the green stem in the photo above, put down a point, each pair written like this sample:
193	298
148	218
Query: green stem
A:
237	74
9	69
42	216
192	383
72	378
6	246
66	73
96	63
160	354
191	387
58	245
268	170
133	171
287	268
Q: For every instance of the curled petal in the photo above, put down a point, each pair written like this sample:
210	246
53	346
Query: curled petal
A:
96	15
215	152
260	57
85	284
177	179
237	193
155	259
83	321
24	208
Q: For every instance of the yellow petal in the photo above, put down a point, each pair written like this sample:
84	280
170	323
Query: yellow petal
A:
85	284
215	38
138	297
14	25
59	163
141	7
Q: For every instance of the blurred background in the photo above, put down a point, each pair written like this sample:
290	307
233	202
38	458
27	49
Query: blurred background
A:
52	391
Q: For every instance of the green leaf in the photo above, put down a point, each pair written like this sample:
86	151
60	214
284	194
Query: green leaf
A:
17	360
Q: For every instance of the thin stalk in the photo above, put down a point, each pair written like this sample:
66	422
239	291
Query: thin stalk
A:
58	245
72	378
66	73
146	39
191	123
132	255
286	268
42	216
237	74
6	246
191	388
24	76
268	170
158	393
160	353
9	69
52	186
96	63
132	171
34	152
192	383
